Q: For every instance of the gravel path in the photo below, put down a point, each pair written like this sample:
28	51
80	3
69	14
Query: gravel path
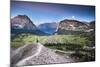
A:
35	54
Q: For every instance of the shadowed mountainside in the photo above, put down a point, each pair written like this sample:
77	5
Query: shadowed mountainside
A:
23	24
49	28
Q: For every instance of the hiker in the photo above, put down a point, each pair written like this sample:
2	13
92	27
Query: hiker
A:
37	40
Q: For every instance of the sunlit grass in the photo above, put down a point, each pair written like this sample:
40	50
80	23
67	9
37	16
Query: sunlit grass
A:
59	42
29	38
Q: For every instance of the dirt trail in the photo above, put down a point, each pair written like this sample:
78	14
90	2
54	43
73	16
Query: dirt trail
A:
33	54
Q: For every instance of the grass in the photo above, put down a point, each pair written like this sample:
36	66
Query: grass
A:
22	39
60	42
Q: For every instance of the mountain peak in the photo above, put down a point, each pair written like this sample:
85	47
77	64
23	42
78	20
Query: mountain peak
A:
70	26
70	20
75	23
22	16
22	22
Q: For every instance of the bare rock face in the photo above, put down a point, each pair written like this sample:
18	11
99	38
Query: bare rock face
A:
92	25
35	54
72	25
22	22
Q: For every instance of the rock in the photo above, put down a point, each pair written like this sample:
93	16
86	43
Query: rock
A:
34	54
22	22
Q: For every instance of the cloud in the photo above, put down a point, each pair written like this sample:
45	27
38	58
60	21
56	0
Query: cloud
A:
73	17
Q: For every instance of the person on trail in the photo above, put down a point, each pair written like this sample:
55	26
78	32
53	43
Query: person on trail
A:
37	40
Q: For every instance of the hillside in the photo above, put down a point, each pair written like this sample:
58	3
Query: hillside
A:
23	24
74	27
49	28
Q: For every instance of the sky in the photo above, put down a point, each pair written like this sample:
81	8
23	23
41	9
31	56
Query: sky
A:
46	12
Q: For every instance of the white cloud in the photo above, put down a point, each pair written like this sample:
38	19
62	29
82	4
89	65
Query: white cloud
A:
73	17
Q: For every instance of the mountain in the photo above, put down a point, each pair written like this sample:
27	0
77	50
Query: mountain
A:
49	28
92	25
23	24
71	27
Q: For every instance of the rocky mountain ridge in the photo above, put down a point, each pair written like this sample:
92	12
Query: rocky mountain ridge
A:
74	27
22	23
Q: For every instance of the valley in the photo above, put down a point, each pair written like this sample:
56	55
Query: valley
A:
69	40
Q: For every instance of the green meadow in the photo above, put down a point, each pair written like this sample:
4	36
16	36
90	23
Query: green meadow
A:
60	42
23	39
